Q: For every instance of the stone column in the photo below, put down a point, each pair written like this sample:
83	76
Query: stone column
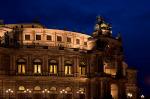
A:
60	66
75	66
77	60
99	64
30	65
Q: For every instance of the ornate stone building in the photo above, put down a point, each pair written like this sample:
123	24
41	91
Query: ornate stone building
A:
37	63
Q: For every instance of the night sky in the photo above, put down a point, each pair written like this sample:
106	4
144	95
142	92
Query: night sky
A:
130	17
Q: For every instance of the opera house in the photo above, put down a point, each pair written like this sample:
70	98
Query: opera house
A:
41	63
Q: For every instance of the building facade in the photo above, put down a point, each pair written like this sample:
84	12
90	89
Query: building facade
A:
41	63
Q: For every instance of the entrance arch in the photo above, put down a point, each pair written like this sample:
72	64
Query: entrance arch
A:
114	91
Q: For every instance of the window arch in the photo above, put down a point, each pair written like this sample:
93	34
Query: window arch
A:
37	88
21	66
82	68
53	66
68	67
37	66
53	89
68	89
21	88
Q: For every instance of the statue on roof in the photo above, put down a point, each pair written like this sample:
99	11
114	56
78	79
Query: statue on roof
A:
101	27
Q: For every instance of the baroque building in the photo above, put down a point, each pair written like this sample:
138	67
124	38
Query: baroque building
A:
37	62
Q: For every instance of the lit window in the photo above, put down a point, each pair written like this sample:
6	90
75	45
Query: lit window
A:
85	43
82	68
77	41
108	69
68	67
27	37
69	39
21	66
38	37
53	67
37	66
21	88
59	38
49	37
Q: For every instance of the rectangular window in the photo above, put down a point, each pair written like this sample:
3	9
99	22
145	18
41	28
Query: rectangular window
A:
37	68
59	38
77	41
21	68
38	37
27	37
68	70
82	70
53	69
69	39
49	37
85	43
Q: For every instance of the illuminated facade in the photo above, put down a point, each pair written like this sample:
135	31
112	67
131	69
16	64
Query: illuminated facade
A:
36	63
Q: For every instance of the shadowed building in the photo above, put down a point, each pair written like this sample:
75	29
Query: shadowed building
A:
36	63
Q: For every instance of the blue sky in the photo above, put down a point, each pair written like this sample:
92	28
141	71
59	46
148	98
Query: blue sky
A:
130	17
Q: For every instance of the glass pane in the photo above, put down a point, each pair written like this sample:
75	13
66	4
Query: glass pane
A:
83	70
35	68
39	68
55	69
69	69
23	68
80	72
51	68
66	69
19	68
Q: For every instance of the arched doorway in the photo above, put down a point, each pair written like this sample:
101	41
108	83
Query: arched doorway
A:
114	91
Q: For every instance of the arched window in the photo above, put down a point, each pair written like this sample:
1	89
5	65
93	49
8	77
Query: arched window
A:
114	91
21	88
37	88
53	89
21	66
82	68
68	67
53	65
68	89
37	66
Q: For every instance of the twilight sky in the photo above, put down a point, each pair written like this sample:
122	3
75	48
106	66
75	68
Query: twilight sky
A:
130	17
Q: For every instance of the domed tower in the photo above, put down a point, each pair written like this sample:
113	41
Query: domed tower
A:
101	28
108	58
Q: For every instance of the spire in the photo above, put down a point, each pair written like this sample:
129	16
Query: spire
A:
101	27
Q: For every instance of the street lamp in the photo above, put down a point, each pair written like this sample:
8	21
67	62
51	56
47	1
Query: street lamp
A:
63	91
9	92
45	91
142	96
129	95
80	92
27	91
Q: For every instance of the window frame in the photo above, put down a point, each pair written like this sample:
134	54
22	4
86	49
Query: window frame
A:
53	67
36	37
27	37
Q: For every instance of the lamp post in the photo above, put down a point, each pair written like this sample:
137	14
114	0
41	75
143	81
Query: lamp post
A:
63	91
27	91
45	91
142	96
129	95
9	92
